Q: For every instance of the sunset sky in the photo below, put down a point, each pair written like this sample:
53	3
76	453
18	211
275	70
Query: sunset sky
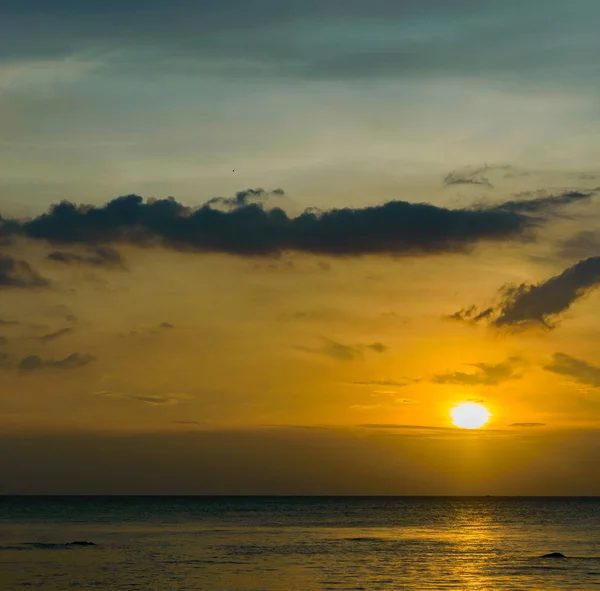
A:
351	217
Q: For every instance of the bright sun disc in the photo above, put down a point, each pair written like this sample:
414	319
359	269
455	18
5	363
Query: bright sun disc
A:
470	415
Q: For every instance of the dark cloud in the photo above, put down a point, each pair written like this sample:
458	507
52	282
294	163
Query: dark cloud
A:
51	336
468	177
487	374
166	325
243	198
527	425
532	204
578	369
471	314
10	322
98	256
538	304
73	361
16	273
396	227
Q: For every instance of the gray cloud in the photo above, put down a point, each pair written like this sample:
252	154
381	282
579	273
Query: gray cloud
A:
150	398
73	361
396	227
487	374
532	204
98	256
527	425
582	245
468	176
51	336
578	369
16	273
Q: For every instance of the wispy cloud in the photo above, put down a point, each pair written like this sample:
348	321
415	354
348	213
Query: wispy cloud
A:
73	361
578	369
487	374
16	273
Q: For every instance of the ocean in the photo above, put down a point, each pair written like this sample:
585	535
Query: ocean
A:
298	543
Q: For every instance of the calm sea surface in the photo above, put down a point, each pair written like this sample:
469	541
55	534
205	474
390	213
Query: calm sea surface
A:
298	544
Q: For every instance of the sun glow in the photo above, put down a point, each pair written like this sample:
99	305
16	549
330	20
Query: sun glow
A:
470	415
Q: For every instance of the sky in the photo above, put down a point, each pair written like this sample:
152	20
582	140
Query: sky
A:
264	247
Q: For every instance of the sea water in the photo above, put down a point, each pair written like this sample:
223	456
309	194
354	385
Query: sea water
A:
298	543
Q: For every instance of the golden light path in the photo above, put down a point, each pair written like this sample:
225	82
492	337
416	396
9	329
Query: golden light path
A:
470	415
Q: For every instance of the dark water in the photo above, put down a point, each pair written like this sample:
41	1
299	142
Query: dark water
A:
298	544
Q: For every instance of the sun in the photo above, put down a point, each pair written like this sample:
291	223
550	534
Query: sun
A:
470	415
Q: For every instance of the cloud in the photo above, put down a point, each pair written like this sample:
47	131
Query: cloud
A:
468	176
396	227
146	333
384	383
99	256
538	304
16	273
544	202
342	352
10	322
488	374
54	335
243	198
73	361
578	369
152	399
582	245
527	425
309	39
407	427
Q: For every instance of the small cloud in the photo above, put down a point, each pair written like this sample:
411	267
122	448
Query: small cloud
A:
377	347
74	361
394	383
527	425
578	369
16	273
468	176
54	335
166	325
404	427
487	374
150	398
341	352
97	256
244	198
